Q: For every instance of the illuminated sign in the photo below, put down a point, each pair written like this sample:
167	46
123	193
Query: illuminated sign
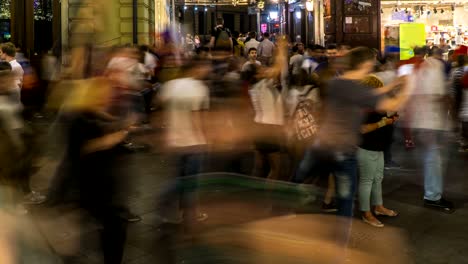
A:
261	4
273	15
411	35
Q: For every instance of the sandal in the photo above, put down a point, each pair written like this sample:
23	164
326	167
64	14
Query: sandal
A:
374	222
389	213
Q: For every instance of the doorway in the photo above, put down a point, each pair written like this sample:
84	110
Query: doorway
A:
229	21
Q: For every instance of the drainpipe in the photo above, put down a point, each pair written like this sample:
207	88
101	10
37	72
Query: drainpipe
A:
135	21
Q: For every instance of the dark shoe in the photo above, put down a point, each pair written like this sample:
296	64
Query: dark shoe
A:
329	208
392	165
440	204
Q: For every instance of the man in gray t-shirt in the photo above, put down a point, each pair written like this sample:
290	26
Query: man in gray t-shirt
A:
345	104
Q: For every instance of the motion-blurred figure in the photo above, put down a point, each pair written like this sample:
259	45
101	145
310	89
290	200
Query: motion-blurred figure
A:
94	158
186	99
429	120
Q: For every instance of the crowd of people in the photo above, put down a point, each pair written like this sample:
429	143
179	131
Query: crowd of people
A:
305	111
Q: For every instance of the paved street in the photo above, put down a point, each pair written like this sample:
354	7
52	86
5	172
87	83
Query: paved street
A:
242	229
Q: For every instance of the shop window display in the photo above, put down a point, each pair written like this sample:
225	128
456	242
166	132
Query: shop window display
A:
358	7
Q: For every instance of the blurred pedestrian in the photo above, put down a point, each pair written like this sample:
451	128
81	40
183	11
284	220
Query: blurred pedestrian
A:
339	133
186	100
429	121
94	160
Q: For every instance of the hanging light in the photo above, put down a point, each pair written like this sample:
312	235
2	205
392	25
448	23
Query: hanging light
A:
442	11
381	10
195	8
298	14
435	10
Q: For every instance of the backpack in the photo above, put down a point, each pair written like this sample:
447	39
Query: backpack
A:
305	122
223	41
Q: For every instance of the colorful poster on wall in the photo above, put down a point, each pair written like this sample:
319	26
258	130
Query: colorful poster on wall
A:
411	35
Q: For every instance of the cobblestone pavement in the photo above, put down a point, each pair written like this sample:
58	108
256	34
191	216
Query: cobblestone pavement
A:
242	229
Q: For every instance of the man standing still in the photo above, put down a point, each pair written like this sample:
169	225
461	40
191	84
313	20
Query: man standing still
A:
265	50
430	124
252	43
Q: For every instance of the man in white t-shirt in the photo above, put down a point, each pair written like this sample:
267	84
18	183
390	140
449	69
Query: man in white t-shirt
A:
252	59
186	99
295	62
8	53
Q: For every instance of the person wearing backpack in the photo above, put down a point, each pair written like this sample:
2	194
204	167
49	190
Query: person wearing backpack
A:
221	40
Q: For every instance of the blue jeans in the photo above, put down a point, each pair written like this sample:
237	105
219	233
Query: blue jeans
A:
306	165
315	163
345	171
342	165
182	186
431	143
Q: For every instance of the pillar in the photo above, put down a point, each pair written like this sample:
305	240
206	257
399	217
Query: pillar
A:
22	24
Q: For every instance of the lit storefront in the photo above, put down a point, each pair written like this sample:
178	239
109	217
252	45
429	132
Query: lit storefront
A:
445	21
305	20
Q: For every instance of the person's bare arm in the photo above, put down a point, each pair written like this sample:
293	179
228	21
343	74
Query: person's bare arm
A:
212	42
388	88
367	128
105	142
393	104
